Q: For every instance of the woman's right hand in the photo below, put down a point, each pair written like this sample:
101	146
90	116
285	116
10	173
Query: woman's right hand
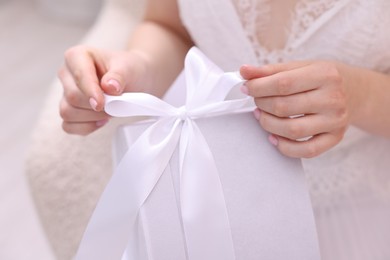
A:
90	72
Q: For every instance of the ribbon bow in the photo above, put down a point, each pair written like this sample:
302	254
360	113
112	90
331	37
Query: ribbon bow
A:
205	220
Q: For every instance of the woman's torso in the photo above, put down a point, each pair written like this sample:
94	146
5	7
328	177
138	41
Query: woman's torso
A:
350	184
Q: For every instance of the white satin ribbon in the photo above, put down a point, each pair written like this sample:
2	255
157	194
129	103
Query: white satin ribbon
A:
203	209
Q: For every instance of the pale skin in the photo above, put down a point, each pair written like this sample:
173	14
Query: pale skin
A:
331	95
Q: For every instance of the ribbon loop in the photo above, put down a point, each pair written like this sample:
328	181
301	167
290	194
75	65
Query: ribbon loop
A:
137	104
203	209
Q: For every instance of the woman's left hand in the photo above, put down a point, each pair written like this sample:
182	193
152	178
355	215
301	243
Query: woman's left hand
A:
298	100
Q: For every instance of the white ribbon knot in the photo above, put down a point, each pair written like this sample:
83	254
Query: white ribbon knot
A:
203	210
182	113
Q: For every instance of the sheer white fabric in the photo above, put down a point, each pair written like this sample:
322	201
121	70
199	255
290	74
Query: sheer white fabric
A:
350	184
263	20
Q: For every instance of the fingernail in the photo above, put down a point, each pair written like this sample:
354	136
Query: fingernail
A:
114	84
244	89
101	122
257	113
273	140
244	66
93	103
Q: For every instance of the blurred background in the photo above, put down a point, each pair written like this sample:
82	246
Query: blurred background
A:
33	37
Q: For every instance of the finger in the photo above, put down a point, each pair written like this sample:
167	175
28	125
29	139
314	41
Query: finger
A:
286	83
82	128
309	102
295	128
249	72
72	114
306	149
81	65
72	93
123	72
113	82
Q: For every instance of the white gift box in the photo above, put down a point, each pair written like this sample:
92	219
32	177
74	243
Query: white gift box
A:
199	181
265	193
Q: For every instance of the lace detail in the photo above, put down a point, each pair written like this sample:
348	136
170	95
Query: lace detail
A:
335	180
310	14
254	15
307	16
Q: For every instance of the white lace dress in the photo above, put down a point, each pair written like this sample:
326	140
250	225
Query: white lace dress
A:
350	184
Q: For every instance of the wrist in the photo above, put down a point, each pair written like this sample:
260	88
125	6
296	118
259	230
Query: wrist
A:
358	87
141	71
372	102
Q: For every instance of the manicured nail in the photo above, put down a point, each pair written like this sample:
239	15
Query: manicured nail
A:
114	84
244	89
101	122
244	66
257	113
93	103
273	140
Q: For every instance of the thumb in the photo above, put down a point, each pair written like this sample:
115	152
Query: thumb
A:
122	74
113	81
249	72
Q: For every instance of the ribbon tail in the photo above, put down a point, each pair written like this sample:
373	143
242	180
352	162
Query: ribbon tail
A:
205	217
114	218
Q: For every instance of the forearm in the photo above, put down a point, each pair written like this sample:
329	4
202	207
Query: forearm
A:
164	51
163	42
372	111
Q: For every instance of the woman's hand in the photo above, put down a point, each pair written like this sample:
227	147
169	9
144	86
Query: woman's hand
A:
86	75
299	100
155	57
